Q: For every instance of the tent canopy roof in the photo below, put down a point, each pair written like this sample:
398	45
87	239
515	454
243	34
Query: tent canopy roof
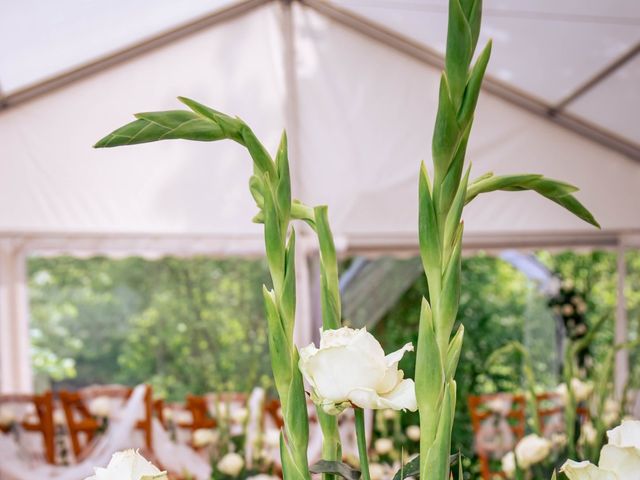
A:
359	112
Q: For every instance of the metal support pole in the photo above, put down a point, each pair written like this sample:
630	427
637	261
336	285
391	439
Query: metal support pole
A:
621	330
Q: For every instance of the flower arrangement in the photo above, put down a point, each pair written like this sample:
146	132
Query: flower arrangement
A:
375	384
128	465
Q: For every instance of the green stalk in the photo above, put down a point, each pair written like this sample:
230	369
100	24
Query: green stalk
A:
441	202
362	443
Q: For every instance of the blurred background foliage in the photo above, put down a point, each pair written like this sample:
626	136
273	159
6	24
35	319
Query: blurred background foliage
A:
184	325
196	325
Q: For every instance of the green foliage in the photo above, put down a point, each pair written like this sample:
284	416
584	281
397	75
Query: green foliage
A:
187	325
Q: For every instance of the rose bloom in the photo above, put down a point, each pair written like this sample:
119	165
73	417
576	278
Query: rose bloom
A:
203	437
231	464
619	459
509	464
383	446
532	449
100	407
350	368
128	465
7	417
239	415
413	433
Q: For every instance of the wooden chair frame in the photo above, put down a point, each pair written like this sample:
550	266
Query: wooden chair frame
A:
80	421
518	413
44	410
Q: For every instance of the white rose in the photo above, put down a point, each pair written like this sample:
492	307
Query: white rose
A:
183	417
350	368
239	415
100	407
203	437
7	417
588	433
611	412
128	465
231	464
383	446
59	418
413	432
272	438
581	390
532	449
167	414
377	471
558	440
619	459
509	465
389	414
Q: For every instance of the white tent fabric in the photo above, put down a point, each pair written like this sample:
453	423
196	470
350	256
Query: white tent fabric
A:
359	115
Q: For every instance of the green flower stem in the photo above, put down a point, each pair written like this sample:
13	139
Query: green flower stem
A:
362	443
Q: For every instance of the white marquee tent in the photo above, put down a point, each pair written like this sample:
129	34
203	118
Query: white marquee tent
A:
354	82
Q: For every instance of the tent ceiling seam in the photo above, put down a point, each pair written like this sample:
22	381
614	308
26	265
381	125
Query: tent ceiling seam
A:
100	64
496	87
598	77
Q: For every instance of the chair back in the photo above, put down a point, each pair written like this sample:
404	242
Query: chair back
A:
41	422
479	407
81	422
550	411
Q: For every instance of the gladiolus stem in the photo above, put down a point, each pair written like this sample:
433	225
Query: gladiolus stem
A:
362	443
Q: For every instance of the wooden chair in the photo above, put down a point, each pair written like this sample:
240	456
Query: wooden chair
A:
479	413
549	405
43	405
199	408
80	421
272	410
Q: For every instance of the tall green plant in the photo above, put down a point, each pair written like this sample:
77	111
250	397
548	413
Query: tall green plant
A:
441	202
270	186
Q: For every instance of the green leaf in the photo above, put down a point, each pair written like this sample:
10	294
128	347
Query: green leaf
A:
555	190
450	297
288	300
169	125
459	53
283	188
429	375
330	291
472	90
453	353
474	16
412	467
273	238
256	187
279	345
335	468
437	464
231	127
455	214
258	153
446	132
429	239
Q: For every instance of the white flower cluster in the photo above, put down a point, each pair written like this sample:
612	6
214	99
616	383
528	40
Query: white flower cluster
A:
529	451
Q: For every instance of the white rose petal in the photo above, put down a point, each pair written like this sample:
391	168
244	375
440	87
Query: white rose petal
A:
586	471
350	367
231	464
627	434
128	465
